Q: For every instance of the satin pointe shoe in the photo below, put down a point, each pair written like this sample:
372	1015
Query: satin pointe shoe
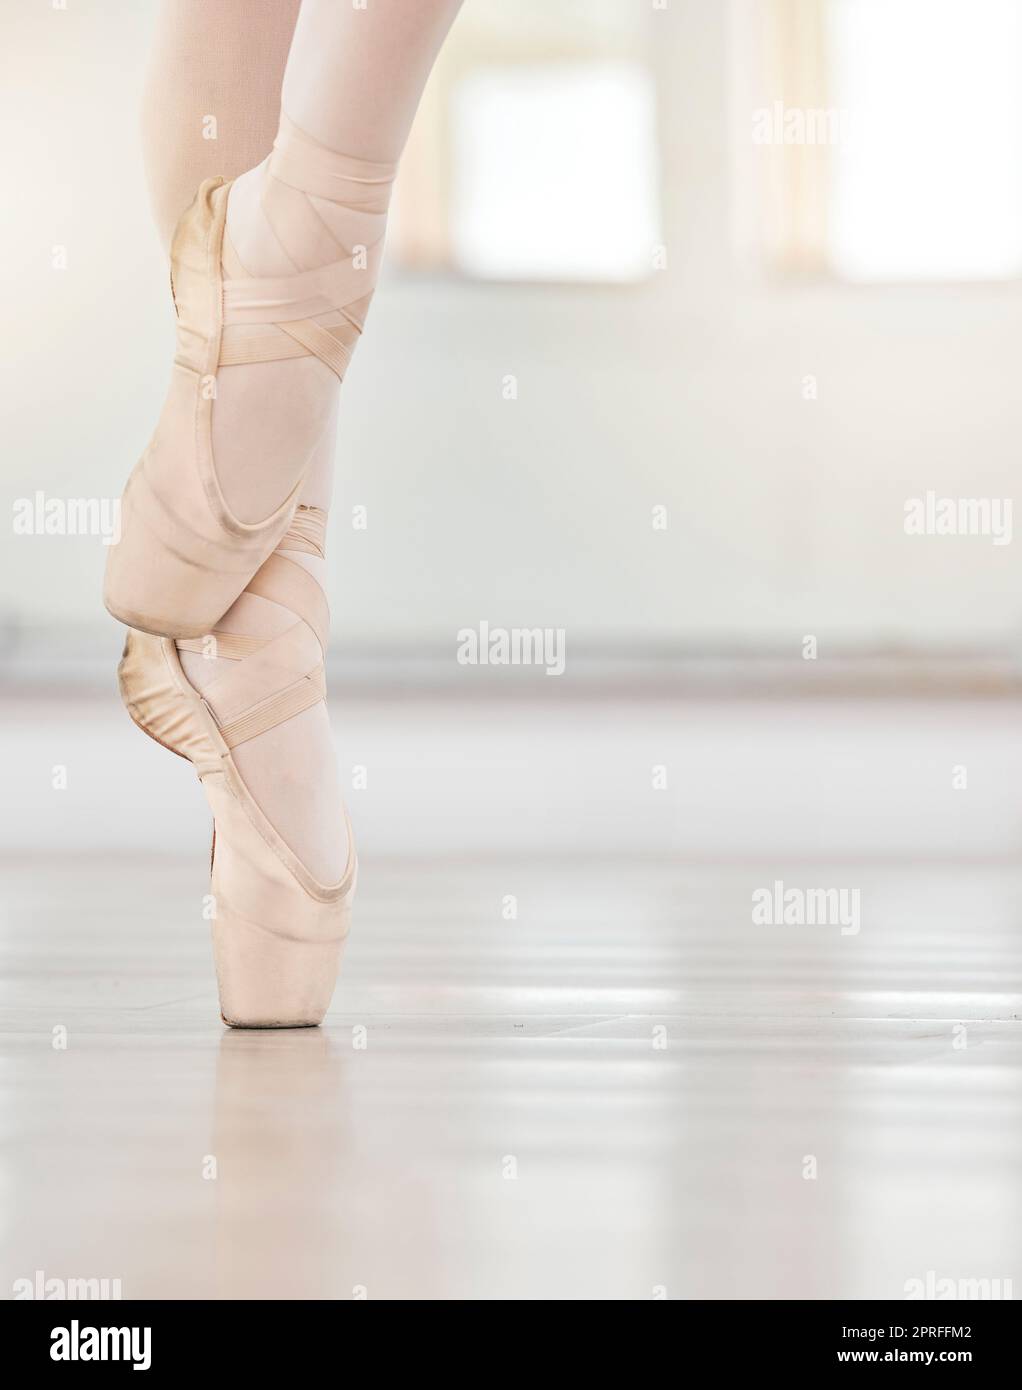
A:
183	556
278	934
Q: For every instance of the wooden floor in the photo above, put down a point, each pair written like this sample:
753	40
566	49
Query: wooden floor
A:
621	1093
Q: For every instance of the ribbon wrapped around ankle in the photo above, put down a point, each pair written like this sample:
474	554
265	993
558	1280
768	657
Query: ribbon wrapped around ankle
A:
307	532
303	163
305	295
335	246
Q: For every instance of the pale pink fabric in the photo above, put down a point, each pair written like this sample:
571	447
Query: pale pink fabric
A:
219	59
352	79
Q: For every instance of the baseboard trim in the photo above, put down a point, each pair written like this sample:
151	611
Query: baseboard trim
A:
53	659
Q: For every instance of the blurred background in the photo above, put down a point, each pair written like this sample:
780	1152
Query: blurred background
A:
776	343
686	302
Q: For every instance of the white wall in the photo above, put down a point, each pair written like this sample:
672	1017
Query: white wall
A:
785	515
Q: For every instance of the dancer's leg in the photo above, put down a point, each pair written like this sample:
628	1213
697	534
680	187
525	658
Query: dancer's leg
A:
215	70
223	61
353	81
211	108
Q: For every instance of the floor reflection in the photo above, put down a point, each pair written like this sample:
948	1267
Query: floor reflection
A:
510	1129
282	1140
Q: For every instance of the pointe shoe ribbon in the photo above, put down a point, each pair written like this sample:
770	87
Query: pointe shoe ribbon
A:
321	308
278	933
183	556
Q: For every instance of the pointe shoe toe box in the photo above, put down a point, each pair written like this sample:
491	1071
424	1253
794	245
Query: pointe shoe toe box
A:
278	934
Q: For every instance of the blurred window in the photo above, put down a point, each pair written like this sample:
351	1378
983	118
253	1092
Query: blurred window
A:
888	137
534	155
929	182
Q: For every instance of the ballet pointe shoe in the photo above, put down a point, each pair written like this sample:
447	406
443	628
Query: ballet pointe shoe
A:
278	934
183	557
